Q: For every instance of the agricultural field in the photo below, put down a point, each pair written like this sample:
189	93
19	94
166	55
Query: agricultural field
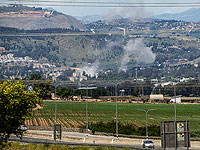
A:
73	114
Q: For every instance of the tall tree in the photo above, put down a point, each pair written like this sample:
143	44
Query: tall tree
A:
16	104
63	92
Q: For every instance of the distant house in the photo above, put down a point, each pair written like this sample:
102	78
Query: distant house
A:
156	97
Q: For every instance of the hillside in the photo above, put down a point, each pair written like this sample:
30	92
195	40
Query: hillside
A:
65	50
28	18
94	18
192	14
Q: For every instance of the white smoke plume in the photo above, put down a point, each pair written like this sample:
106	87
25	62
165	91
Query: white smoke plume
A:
132	13
136	50
92	69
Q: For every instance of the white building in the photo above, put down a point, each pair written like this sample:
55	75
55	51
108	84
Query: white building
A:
176	99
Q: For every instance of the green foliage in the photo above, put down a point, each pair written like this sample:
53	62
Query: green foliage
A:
17	146
63	92
187	89
94	93
82	50
35	76
16	105
44	86
195	134
16	9
127	128
127	113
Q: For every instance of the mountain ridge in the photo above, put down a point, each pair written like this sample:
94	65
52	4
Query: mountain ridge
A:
31	18
191	15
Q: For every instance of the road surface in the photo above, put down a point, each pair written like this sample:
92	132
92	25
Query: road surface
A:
75	138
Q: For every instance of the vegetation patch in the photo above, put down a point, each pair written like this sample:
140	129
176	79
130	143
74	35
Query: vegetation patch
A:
18	146
73	115
124	128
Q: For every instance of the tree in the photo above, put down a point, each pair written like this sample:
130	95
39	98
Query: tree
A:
35	76
44	86
100	91
63	92
16	104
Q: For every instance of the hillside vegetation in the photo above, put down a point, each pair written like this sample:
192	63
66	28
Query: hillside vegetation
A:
64	50
78	50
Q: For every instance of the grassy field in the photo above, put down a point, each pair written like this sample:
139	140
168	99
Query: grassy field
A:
73	114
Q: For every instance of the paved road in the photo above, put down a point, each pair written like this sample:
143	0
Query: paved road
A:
75	138
36	140
58	34
72	134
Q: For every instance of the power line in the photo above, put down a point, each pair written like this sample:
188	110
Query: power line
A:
104	2
79	5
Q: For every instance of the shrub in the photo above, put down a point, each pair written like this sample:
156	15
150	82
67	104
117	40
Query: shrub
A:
128	129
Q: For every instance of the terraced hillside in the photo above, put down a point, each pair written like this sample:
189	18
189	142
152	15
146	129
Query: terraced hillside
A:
28	18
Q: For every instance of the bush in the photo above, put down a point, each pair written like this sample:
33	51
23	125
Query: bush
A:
18	146
128	129
195	134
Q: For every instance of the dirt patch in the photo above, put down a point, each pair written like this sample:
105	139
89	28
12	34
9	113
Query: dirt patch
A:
38	107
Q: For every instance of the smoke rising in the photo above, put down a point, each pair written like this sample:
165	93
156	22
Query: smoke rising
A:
136	50
132	13
92	69
133	51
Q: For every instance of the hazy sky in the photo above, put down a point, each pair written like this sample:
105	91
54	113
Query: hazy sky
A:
83	11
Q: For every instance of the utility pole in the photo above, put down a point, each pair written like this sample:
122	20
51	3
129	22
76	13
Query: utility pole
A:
86	116
116	110
55	85
55	109
175	103
86	102
175	118
86	107
146	112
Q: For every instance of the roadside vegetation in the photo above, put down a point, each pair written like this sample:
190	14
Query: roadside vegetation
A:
127	129
18	146
16	104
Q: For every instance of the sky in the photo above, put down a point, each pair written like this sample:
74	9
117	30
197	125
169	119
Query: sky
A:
84	11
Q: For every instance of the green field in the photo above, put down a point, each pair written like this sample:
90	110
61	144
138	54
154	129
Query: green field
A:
73	114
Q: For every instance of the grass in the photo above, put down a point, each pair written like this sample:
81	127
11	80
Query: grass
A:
127	113
18	146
